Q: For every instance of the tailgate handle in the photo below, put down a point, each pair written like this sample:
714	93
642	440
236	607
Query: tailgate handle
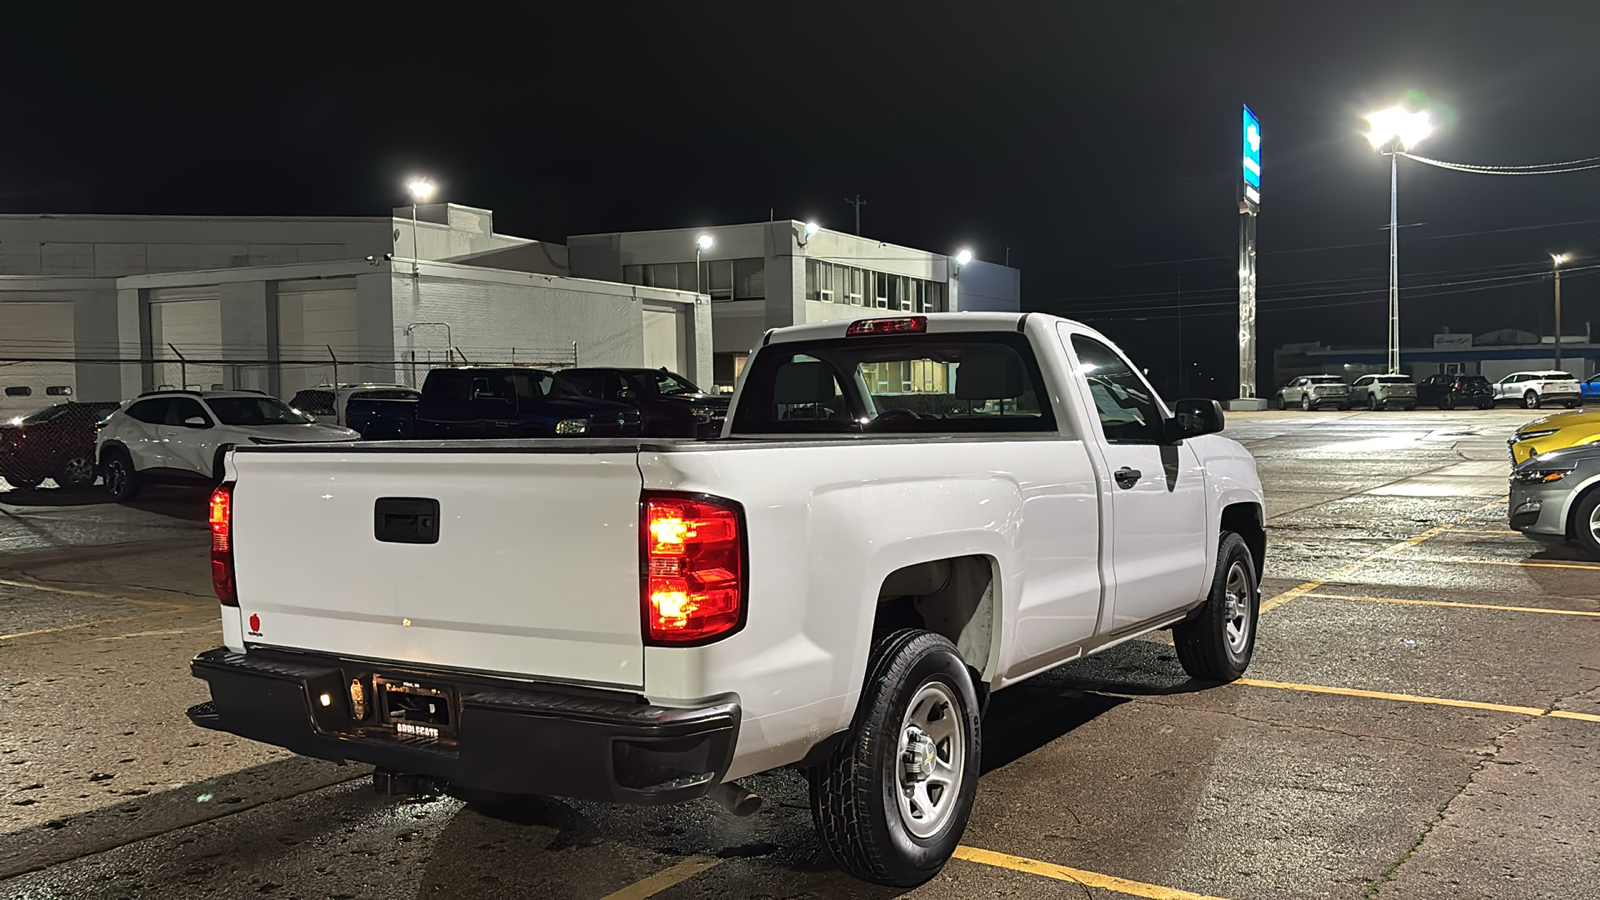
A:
406	520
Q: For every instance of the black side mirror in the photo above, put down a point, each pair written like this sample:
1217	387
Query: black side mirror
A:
1194	417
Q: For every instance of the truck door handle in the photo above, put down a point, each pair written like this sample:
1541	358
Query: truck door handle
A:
1127	478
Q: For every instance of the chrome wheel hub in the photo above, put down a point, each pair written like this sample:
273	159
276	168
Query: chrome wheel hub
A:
1594	524
932	759
1236	608
78	470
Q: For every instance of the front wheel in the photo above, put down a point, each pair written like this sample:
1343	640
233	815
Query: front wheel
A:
1305	403
1586	523
76	473
1530	400
1217	644
1448	401
891	803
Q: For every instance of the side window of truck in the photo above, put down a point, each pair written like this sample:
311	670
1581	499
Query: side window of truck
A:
1127	407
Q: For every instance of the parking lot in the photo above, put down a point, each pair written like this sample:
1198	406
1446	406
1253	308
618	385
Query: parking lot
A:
1421	720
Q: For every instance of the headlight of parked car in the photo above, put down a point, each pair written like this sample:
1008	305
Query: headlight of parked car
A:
572	426
1540	475
706	413
1530	435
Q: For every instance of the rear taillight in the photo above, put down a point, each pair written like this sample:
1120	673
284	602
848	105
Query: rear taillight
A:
222	545
693	577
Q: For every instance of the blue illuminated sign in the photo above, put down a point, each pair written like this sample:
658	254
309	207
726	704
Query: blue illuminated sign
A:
1252	155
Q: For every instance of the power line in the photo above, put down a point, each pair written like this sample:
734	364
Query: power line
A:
1571	165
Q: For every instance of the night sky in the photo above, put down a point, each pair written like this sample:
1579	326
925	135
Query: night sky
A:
1099	143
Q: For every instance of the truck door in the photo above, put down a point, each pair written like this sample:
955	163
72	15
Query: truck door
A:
1155	492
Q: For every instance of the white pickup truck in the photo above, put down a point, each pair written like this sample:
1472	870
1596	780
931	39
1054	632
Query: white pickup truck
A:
902	515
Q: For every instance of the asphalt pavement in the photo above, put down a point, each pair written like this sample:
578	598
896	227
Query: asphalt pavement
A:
1421	720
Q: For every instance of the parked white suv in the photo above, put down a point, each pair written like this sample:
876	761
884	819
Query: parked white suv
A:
180	436
1536	389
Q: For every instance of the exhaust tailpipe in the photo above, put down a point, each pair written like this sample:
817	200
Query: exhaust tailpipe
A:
733	797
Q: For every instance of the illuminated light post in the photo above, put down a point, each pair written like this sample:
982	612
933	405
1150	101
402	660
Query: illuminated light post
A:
1394	131
701	244
421	189
1556	261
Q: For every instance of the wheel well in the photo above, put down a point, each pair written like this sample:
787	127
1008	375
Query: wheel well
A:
952	597
1244	519
1572	514
111	449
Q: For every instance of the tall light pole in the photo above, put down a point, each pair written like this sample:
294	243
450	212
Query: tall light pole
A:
1394	131
701	244
421	189
1556	259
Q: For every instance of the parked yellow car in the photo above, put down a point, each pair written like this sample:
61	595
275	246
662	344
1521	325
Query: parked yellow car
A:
1555	432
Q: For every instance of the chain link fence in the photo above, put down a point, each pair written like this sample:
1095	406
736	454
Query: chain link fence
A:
49	405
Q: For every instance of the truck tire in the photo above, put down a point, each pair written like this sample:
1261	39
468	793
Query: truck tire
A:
891	803
1447	401
1217	644
122	479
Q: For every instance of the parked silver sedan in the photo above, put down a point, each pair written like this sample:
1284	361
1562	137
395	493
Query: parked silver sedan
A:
1312	391
1555	497
1377	392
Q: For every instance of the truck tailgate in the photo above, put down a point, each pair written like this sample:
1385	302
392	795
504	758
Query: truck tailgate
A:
535	571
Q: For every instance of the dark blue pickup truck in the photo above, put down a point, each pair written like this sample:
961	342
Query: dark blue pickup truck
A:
491	402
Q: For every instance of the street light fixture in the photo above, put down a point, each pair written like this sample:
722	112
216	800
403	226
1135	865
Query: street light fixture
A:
1557	260
701	244
1393	131
963	256
421	189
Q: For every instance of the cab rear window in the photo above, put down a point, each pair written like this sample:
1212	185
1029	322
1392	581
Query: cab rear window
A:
914	384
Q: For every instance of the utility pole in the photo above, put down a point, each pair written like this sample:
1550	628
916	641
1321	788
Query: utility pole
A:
857	203
1180	337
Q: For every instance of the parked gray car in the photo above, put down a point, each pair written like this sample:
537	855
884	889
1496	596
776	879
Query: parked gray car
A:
1312	391
1377	392
1555	497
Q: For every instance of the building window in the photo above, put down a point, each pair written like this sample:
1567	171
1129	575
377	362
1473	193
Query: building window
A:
880	290
749	279
853	286
811	279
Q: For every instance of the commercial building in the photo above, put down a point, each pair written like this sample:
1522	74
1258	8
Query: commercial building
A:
102	307
771	274
1492	355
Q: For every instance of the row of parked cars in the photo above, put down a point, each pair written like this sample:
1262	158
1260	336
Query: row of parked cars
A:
182	435
1532	390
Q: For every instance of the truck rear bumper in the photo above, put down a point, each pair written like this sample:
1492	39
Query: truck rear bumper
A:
500	735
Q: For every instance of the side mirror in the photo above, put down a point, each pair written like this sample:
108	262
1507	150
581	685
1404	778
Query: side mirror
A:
196	422
1194	417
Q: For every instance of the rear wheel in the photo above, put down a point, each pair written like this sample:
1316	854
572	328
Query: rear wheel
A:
24	482
122	479
77	472
891	803
1586	523
1530	400
1305	402
1447	401
1217	644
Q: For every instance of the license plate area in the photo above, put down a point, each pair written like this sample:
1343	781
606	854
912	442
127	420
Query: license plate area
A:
418	713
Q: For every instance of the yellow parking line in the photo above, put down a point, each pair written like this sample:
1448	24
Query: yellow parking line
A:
1529	609
20	634
1274	602
1529	563
1483	531
664	879
1412	698
1078	876
95	595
